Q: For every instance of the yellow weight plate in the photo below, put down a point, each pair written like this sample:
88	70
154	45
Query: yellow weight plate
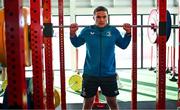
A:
75	82
57	97
4	85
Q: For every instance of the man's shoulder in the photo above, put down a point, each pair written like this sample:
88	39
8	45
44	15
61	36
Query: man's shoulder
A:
113	29
88	28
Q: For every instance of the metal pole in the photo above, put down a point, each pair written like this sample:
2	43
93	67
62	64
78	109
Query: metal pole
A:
48	57
174	51
178	102
61	50
142	46
16	89
161	56
37	60
134	55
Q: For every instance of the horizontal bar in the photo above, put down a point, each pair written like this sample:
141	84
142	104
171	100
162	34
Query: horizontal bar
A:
138	26
67	26
174	26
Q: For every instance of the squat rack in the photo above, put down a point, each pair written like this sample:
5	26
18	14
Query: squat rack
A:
16	88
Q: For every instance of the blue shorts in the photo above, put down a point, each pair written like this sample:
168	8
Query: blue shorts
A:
108	86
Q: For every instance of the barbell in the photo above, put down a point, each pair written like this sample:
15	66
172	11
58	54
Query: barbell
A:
153	26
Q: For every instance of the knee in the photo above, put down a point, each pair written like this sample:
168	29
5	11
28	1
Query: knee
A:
89	100
111	101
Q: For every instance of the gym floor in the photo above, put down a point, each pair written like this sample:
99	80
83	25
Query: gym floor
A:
146	89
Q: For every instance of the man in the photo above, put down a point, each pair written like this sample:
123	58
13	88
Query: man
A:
100	65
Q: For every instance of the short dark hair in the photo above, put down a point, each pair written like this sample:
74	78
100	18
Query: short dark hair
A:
100	8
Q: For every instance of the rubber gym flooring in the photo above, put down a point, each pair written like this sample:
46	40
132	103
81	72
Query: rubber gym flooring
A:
146	89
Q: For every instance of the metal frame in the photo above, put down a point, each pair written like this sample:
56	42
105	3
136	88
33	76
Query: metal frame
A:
61	50
17	96
178	102
48	57
134	56
37	60
15	61
161	57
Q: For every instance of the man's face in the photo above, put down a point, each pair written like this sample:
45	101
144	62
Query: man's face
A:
101	18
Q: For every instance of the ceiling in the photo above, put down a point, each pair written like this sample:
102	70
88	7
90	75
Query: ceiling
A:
84	7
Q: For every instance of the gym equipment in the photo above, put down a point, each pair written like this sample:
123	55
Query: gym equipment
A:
3	87
168	68
48	30
26	22
152	25
2	39
154	20
75	82
57	97
139	26
173	77
151	68
99	105
29	95
173	72
26	15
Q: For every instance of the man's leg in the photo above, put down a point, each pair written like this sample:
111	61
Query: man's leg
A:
88	102
112	103
110	90
89	89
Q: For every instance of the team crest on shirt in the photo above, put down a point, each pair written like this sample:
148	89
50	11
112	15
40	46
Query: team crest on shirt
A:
108	34
92	33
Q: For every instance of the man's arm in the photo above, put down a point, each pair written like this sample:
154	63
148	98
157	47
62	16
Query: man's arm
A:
123	42
76	41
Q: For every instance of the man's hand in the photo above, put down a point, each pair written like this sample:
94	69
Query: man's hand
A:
73	29
127	27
